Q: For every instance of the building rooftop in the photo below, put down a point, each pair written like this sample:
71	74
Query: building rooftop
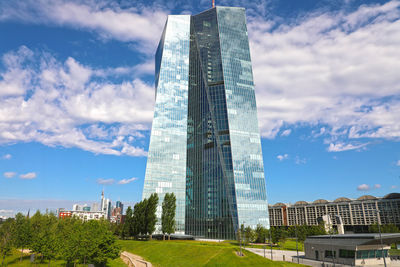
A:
354	239
301	202
340	199
392	196
320	201
366	197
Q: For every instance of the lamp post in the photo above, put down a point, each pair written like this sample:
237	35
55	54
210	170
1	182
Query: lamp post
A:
270	239
297	248
240	240
220	231
330	233
380	237
244	235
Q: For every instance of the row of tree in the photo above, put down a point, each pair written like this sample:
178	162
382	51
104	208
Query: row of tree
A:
50	238
279	234
385	228
141	221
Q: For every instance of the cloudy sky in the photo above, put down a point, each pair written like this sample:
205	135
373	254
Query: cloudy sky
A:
77	96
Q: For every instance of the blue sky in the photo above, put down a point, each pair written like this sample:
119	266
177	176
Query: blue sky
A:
77	96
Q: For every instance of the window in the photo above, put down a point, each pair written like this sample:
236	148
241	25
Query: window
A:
362	254
379	253
348	254
328	254
371	254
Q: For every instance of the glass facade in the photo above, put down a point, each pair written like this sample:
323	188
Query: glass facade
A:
223	167
166	161
247	160
371	254
210	193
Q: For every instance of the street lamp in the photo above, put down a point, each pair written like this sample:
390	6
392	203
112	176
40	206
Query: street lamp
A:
297	248
220	231
380	236
270	239
240	240
330	233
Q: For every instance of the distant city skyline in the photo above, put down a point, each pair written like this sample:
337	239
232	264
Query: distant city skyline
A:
77	95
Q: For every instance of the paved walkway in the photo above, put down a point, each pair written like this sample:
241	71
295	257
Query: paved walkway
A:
133	260
285	255
277	255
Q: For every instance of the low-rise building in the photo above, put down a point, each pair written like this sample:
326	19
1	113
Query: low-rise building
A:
354	213
350	249
83	215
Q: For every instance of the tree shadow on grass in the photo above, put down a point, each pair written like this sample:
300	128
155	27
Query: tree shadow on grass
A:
16	260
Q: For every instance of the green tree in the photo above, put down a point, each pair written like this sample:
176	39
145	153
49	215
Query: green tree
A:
69	234
22	233
302	232
139	218
385	228
128	225
390	228
317	230
279	234
103	244
150	214
249	235
44	235
168	214
261	234
6	238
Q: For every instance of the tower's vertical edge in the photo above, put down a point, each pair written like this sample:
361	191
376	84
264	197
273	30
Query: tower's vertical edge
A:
166	162
248	167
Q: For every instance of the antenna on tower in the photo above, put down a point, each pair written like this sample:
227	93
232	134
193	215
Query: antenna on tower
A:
213	3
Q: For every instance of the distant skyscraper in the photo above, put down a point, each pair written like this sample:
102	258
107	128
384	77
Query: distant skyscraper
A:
205	142
95	207
118	204
105	205
78	207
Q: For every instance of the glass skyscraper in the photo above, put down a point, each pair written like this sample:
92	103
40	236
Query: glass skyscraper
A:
205	142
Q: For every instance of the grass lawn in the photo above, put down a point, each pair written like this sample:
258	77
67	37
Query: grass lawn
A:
13	260
394	252
195	253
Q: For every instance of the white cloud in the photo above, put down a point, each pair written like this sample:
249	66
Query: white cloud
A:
7	156
377	186
286	132
282	157
127	181
337	70
363	187
398	163
142	26
299	160
28	176
16	79
393	187
338	147
105	181
6	211
72	107
9	174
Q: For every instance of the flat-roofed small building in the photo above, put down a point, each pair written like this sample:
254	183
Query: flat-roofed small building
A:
350	249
